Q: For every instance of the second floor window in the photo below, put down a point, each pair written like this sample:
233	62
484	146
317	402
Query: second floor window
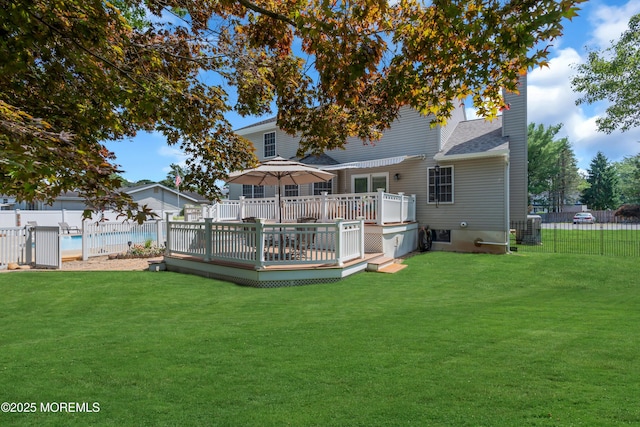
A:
270	144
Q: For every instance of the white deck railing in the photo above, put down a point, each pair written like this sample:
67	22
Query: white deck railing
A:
378	208
260	244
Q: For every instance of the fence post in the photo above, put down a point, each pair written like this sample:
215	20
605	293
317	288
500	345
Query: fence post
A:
85	241
159	234
29	245
167	249
601	239
17	212
555	238
207	239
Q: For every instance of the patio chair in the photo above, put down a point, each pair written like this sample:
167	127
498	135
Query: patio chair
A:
303	239
66	228
249	232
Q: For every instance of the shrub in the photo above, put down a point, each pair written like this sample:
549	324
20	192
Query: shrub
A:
628	212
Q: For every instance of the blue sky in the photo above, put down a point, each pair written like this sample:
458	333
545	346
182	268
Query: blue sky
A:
551	100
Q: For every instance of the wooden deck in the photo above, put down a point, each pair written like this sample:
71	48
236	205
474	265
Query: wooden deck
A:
269	276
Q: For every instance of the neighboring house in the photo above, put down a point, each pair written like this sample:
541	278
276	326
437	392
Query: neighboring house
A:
469	177
159	198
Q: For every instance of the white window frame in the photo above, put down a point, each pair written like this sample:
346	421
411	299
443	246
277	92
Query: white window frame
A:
253	191
264	144
369	177
320	187
433	201
291	190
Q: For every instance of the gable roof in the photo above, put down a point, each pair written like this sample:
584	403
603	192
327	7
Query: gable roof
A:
196	198
318	160
263	125
475	139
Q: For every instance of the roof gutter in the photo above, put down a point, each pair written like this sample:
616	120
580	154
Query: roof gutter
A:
487	154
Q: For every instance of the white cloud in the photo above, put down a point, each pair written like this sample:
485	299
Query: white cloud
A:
177	156
551	99
610	22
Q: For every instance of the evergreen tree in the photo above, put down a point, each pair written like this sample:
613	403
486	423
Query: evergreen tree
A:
552	172
603	192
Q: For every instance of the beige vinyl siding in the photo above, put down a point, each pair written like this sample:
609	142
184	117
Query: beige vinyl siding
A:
457	116
410	134
159	199
515	127
478	197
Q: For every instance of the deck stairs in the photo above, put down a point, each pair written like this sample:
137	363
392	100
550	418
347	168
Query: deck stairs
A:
384	264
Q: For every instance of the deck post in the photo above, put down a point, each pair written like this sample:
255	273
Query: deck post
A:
412	214
241	208
403	200
361	235
339	222
380	213
207	239
324	207
259	243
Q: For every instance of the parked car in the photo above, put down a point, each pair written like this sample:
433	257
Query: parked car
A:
584	218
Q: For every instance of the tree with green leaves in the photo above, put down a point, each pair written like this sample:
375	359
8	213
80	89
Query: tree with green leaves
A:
552	171
628	170
603	192
76	73
613	75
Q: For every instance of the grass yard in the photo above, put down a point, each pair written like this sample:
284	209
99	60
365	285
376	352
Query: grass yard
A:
455	339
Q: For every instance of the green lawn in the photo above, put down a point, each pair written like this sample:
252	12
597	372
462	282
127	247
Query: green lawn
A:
454	339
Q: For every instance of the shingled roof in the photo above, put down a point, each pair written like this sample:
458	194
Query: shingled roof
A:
475	137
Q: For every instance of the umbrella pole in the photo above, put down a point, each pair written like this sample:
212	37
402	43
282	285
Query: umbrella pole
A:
280	220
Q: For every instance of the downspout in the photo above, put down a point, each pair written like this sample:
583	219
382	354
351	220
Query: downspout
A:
479	242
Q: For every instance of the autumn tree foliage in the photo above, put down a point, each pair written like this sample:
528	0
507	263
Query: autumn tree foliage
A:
74	73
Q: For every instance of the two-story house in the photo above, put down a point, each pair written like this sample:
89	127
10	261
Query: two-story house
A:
469	177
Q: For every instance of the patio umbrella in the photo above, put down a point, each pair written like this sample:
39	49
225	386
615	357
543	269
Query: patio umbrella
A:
279	171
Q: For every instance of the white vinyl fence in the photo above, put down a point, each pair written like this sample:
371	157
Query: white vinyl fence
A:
106	238
13	246
45	246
